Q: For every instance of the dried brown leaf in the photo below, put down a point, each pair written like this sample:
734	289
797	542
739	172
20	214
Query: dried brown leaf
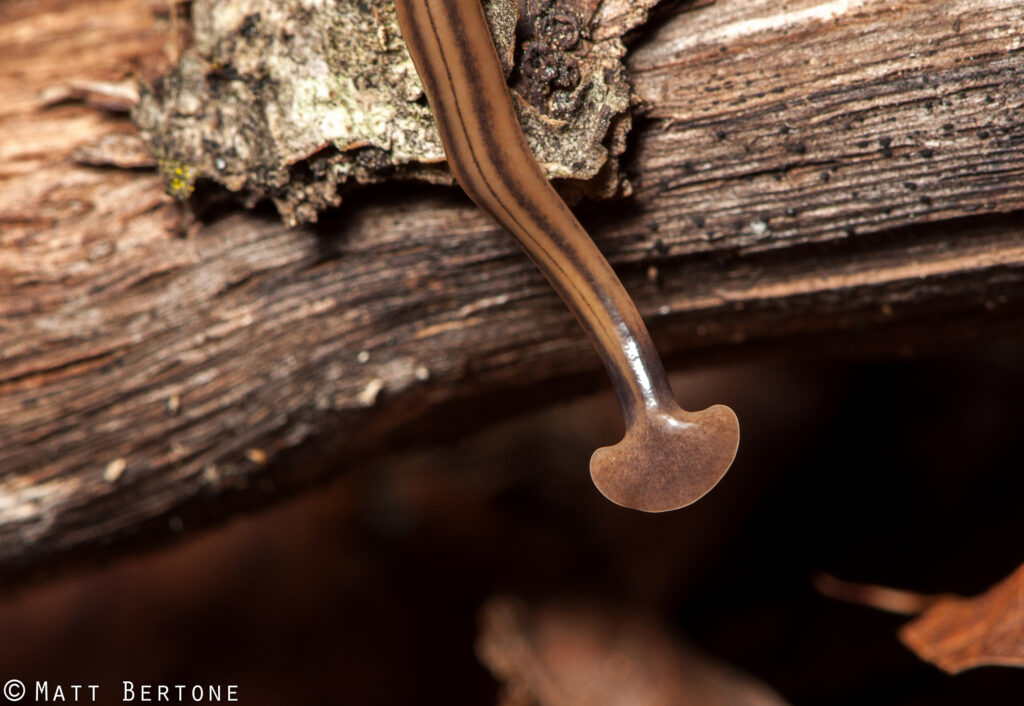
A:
960	633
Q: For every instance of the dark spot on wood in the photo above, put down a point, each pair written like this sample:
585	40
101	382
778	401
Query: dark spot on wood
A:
249	26
568	76
223	74
560	28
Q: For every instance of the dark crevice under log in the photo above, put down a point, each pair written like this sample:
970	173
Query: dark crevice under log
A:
830	174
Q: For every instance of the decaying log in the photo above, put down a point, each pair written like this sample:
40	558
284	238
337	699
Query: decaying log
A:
842	170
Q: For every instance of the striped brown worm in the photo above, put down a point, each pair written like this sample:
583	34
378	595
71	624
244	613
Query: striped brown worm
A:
669	457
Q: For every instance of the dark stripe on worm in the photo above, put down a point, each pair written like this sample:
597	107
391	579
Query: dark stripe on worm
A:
484	113
669	457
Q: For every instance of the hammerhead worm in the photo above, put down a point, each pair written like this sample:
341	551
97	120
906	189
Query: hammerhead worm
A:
669	457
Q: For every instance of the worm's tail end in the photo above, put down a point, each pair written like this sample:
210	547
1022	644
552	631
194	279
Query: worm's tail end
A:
668	459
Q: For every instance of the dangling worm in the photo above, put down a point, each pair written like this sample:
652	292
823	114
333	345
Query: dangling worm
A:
669	457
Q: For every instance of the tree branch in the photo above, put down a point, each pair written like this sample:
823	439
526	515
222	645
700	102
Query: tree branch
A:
836	172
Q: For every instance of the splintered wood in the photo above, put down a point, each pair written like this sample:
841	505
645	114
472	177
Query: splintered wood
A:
824	173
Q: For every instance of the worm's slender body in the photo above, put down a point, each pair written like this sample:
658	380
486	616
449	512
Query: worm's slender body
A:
669	457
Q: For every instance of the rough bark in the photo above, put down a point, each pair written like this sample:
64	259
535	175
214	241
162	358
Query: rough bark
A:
843	172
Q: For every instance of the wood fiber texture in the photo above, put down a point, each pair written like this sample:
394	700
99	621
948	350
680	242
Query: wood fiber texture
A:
844	173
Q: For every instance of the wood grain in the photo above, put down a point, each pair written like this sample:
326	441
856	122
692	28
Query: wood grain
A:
845	173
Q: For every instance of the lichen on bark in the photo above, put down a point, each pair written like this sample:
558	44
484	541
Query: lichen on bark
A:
298	100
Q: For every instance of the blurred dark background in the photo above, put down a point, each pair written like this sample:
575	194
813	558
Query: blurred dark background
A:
901	472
